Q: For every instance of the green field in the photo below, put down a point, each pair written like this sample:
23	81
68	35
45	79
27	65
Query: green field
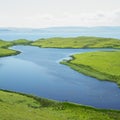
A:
21	42
4	51
7	52
14	106
78	42
5	44
102	65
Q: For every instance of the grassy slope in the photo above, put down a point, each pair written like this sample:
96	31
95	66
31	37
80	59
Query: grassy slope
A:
21	42
4	51
78	42
7	52
4	44
15	106
102	65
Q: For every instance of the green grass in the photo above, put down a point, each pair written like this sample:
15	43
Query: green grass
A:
5	44
102	65
78	42
21	42
15	106
4	51
7	52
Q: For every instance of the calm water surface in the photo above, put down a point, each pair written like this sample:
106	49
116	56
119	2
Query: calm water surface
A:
33	34
37	71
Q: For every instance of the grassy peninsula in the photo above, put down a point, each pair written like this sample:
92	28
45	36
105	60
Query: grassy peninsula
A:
5	44
17	106
78	42
102	65
5	51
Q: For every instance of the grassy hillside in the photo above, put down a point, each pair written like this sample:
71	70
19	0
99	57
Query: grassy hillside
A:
8	52
5	44
15	106
78	42
4	51
21	42
102	65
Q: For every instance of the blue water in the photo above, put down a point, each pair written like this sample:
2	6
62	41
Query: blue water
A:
33	34
37	71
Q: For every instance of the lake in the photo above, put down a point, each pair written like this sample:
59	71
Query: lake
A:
37	71
33	34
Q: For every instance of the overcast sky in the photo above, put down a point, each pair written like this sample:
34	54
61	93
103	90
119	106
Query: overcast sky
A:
50	13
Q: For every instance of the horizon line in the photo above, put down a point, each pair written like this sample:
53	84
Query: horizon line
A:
56	27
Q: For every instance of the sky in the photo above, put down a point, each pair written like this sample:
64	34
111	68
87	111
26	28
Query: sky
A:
52	13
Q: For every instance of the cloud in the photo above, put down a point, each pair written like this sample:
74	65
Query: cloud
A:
64	19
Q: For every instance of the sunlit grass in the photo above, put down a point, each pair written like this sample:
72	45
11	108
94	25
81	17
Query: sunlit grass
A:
5	44
15	106
4	51
78	42
102	65
7	52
